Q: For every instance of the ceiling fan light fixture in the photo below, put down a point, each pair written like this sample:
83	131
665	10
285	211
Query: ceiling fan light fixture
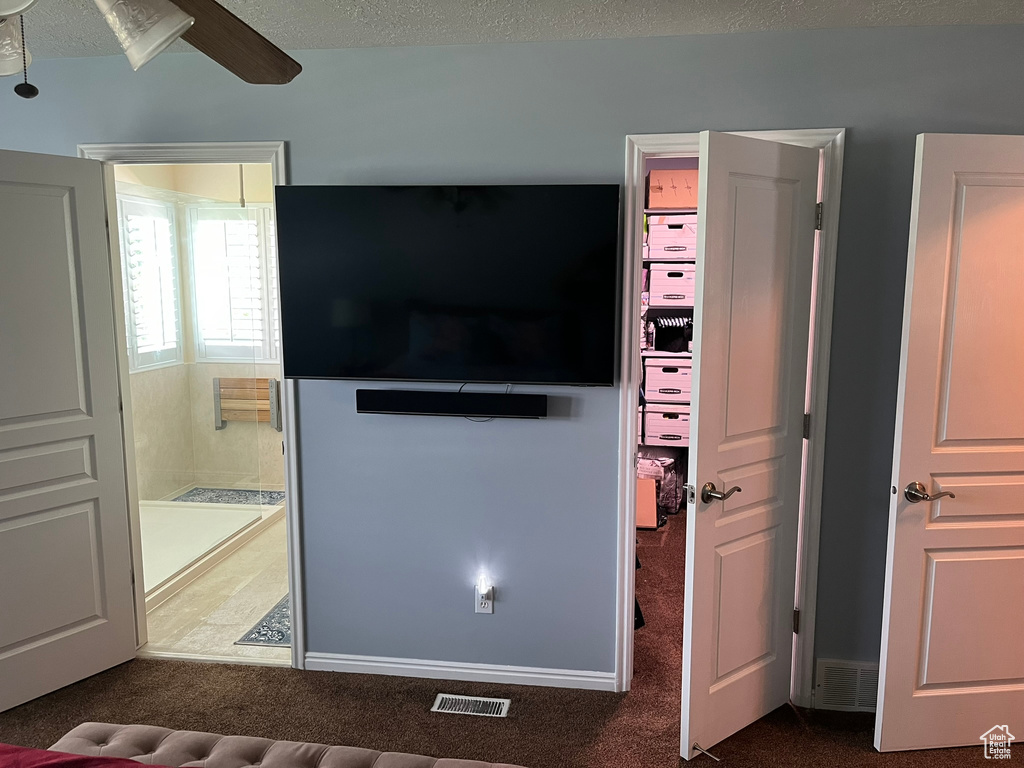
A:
144	27
11	48
10	8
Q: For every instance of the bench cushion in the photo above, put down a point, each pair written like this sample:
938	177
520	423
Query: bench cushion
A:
152	745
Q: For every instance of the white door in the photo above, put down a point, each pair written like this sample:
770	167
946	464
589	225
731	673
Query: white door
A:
755	254
66	597
952	664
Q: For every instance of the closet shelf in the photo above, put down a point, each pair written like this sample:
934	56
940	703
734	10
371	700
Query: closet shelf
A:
668	211
659	353
670	310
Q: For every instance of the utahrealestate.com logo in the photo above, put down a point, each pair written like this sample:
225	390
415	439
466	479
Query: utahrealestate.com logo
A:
997	742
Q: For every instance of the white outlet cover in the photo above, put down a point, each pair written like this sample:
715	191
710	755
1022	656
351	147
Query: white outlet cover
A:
484	602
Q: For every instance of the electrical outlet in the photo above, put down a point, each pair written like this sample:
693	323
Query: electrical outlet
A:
485	600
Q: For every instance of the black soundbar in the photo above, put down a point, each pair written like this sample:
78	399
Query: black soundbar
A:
422	402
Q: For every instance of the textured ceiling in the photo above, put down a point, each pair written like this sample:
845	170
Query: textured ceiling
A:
75	27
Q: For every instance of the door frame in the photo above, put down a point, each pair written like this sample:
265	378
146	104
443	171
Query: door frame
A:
640	148
192	153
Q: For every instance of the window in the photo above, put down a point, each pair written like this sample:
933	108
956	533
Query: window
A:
149	264
234	265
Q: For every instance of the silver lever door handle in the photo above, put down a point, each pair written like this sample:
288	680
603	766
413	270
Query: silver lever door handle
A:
916	492
709	493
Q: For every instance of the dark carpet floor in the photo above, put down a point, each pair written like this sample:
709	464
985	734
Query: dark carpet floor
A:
546	728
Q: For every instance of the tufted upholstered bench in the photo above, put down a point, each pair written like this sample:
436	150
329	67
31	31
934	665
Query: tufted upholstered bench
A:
151	745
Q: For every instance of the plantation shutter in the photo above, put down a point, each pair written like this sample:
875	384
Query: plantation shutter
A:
234	263
150	271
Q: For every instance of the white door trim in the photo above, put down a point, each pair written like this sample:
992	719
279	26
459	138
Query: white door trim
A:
272	152
639	148
124	402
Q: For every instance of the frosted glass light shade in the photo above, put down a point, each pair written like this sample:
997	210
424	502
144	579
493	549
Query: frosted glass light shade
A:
10	47
14	7
144	27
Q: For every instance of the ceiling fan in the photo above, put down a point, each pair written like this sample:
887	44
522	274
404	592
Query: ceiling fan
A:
146	27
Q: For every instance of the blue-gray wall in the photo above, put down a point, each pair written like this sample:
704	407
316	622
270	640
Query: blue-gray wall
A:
404	511
399	512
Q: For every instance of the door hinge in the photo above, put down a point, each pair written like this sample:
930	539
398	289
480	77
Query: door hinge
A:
819	214
796	621
807	426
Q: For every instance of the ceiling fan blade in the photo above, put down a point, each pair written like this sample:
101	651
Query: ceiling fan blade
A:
235	45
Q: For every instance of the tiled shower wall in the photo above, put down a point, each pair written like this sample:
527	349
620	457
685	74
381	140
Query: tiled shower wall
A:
176	444
243	454
162	423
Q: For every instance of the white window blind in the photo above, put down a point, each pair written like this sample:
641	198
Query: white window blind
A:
149	262
234	264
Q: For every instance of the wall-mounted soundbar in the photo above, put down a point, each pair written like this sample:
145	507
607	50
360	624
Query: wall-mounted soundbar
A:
421	402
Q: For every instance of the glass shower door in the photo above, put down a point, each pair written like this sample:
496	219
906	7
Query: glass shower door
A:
239	336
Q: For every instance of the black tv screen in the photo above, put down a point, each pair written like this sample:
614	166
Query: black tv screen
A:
505	284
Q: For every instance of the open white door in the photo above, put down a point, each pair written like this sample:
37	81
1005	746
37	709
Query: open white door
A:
755	253
952	663
66	598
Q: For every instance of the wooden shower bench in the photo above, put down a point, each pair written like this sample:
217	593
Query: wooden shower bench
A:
246	400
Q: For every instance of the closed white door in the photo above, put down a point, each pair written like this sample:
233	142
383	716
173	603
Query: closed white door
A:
952	663
65	569
755	255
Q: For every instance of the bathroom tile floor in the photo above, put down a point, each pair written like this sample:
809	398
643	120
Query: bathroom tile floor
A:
207	616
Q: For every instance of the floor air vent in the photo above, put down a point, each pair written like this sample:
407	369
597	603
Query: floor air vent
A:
470	705
846	685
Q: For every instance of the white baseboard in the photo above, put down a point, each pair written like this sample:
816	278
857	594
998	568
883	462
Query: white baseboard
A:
451	670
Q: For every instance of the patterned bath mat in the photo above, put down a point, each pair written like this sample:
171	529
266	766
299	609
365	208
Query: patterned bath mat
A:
273	629
230	496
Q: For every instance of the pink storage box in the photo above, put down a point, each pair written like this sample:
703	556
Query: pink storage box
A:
672	238
667	425
667	380
673	285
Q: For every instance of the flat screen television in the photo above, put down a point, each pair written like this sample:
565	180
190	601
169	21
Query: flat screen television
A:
504	284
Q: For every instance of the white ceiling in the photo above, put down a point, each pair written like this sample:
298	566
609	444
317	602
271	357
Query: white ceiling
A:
75	27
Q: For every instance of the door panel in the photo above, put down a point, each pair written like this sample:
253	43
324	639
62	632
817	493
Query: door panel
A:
64	554
961	609
72	591
755	256
54	386
737	647
952	662
985	275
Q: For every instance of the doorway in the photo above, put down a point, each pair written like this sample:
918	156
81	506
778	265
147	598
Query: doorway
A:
206	409
660	280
